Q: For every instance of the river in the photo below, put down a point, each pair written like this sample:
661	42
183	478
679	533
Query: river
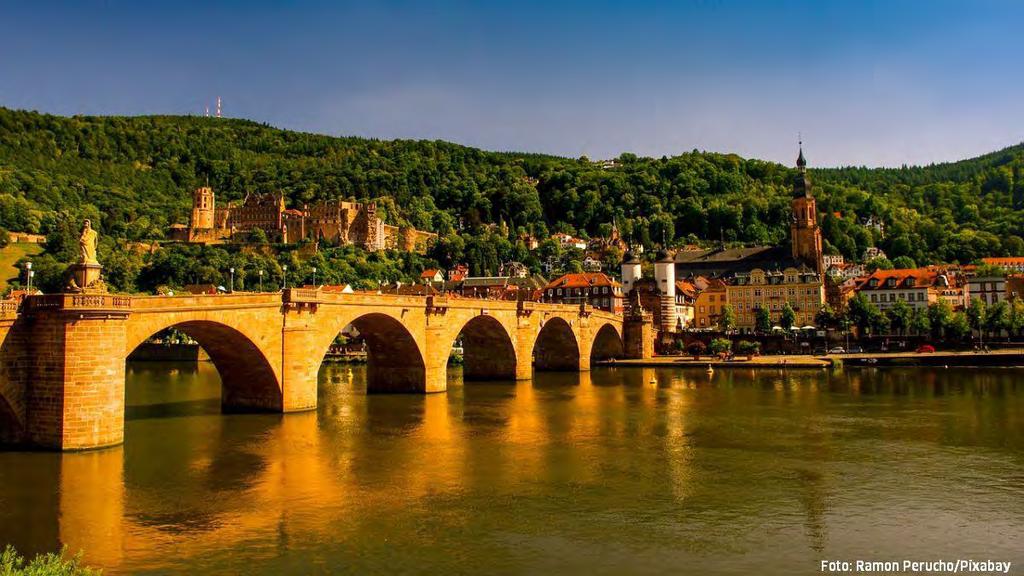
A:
619	471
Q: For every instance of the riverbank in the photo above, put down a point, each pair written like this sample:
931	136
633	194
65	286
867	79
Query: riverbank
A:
159	352
792	361
998	358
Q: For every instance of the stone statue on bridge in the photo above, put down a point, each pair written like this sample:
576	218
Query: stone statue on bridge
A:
87	244
84	276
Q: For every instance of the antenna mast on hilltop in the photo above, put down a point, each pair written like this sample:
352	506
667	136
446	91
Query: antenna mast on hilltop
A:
218	106
207	110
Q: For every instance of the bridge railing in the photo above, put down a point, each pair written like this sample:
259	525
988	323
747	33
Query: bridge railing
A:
8	308
77	302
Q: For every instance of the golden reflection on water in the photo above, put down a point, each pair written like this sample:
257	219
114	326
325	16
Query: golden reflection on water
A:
630	467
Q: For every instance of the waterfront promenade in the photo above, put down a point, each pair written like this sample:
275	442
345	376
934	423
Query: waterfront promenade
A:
1010	357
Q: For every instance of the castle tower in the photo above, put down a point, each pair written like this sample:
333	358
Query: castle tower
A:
804	232
665	276
202	209
630	272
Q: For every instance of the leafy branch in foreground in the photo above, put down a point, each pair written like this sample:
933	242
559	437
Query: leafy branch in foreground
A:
51	564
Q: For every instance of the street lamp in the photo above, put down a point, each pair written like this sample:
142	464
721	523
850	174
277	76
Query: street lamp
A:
314	277
261	280
285	268
28	275
231	286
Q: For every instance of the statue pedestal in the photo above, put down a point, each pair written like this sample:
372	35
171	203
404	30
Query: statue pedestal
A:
85	278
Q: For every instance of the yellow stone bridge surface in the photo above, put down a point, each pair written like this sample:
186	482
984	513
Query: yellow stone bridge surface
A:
62	356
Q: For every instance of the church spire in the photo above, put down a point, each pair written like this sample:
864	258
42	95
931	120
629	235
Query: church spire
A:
801	184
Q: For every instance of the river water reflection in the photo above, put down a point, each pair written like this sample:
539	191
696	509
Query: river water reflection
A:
617	471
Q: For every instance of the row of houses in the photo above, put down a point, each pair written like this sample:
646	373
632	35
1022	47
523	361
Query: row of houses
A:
921	287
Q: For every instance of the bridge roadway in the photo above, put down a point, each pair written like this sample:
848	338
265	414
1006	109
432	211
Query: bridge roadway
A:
62	356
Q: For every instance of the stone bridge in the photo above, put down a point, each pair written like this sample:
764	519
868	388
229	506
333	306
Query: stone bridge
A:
62	356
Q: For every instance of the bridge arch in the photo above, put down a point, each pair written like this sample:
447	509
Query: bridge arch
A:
607	343
488	351
556	346
394	360
248	380
11	428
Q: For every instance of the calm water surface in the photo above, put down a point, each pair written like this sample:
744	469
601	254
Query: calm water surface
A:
600	473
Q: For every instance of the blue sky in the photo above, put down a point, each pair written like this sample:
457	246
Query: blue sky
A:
873	83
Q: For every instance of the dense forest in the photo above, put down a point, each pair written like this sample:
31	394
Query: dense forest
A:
133	177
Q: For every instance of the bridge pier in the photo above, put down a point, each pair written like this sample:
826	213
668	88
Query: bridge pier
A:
300	369
75	387
638	336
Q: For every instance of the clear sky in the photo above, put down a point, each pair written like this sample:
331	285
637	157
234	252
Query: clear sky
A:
873	83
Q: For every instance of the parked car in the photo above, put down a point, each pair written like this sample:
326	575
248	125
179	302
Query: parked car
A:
837	350
856	350
925	349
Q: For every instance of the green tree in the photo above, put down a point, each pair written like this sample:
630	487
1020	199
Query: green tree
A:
920	322
879	323
826	317
862	313
940	313
903	262
787	318
727	318
762	320
258	236
900	316
958	327
976	314
998	318
879	263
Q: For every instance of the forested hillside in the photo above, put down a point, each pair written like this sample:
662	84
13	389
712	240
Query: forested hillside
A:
133	177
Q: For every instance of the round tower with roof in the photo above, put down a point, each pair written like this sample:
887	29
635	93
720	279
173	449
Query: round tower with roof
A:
630	271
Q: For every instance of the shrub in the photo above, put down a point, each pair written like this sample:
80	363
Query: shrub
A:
747	347
696	348
14	564
720	345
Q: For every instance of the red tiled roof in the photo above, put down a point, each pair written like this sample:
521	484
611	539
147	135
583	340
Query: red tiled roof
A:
1004	260
920	277
582	280
429	273
687	288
